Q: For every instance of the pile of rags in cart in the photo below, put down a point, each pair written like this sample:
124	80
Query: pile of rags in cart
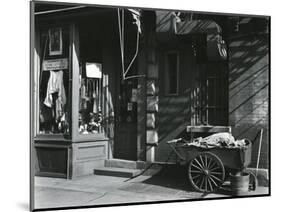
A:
219	140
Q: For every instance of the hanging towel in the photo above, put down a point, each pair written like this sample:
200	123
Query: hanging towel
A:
83	90
55	84
95	95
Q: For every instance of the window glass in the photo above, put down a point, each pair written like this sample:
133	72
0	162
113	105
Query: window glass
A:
54	81
90	101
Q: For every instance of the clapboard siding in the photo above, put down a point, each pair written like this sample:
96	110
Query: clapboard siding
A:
249	91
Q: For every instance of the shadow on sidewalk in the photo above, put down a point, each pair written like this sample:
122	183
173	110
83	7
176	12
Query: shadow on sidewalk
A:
176	177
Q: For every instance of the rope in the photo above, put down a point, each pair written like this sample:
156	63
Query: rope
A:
121	40
136	76
136	53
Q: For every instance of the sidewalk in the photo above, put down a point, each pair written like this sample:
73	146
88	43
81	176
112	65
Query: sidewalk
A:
167	185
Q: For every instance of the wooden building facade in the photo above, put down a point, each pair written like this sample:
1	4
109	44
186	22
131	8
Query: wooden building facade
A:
119	83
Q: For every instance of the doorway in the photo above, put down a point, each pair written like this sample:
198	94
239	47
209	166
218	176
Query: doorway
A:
125	141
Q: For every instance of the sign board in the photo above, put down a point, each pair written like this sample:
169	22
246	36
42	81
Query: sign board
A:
134	95
130	106
93	70
55	64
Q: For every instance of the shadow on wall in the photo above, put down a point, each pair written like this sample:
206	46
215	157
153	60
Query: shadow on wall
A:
248	91
172	120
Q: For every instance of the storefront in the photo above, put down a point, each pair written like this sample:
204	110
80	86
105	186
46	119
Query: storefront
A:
119	83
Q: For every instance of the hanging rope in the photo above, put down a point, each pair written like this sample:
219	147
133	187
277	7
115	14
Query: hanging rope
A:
121	40
121	30
136	53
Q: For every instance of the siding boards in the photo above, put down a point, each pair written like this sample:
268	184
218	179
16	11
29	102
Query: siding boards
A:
248	91
174	110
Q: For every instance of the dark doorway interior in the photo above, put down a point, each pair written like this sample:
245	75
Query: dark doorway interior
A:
125	140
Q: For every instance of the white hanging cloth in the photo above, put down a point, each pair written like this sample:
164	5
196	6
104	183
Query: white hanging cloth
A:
55	84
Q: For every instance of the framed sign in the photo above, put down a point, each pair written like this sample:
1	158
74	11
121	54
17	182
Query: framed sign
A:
55	41
55	64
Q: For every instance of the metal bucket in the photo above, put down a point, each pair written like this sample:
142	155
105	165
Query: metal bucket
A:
240	183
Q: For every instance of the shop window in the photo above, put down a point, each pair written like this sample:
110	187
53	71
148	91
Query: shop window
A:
171	73
54	81
90	101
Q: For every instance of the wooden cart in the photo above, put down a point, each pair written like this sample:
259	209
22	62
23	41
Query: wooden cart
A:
207	166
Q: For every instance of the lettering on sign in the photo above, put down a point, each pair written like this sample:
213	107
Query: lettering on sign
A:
55	64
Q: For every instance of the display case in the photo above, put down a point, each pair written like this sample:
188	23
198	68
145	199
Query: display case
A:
71	110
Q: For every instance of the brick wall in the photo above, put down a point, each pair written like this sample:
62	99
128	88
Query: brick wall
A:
249	91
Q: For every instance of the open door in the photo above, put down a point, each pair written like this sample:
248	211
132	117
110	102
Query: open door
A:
125	141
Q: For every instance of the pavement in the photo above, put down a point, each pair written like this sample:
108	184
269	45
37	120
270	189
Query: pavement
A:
96	190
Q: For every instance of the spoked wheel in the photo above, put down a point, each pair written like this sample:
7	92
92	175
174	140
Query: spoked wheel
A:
206	172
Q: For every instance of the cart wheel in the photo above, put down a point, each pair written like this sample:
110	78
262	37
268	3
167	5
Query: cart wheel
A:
206	172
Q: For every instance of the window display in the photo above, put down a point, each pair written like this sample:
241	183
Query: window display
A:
90	104
53	83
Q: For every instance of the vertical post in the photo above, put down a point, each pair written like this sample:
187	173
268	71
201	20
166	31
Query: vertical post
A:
207	101
152	99
32	99
141	113
74	69
215	98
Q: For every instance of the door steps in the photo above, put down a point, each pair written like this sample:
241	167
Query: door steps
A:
117	172
120	163
126	168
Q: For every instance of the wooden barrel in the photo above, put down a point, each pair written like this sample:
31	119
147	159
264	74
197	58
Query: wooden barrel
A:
240	183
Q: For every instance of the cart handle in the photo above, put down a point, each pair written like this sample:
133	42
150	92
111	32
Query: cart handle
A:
172	143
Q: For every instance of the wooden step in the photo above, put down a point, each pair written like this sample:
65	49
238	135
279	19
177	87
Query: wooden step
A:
120	163
117	172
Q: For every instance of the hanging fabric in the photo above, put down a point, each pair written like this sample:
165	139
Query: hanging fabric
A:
136	17
95	95
55	85
83	89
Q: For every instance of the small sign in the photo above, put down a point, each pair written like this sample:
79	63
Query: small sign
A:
93	70
134	95
130	106
55	64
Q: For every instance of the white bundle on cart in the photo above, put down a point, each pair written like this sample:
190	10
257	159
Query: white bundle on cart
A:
218	140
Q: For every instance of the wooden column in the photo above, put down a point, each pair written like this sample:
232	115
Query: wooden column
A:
141	127
74	69
152	74
152	103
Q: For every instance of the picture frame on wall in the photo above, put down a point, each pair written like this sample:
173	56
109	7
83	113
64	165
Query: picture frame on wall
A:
55	41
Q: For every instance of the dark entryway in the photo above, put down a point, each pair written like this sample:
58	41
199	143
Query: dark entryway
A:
125	140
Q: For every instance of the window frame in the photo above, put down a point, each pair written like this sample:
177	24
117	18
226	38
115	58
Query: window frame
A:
38	61
219	103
